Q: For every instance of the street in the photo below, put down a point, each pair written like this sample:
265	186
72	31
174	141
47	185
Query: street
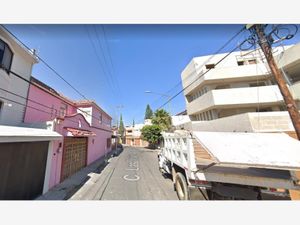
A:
133	175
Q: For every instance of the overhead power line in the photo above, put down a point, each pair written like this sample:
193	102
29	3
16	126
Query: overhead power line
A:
206	61
110	58
31	107
201	75
32	83
43	61
103	64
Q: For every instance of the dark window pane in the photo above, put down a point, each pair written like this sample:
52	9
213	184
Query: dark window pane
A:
2	46
7	57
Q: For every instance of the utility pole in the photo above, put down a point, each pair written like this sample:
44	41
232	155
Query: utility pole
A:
288	98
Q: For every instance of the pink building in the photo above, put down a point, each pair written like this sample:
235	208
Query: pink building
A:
85	126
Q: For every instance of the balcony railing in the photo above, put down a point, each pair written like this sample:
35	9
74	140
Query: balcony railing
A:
235	97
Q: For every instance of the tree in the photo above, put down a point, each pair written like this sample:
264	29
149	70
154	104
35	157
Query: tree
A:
152	134
133	123
148	113
121	127
163	119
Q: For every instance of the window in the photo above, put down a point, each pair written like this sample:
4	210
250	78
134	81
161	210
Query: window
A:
100	118
257	84
210	66
267	109
1	104
53	111
6	56
241	63
63	109
252	61
108	142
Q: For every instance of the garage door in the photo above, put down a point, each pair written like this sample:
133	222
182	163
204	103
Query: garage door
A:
74	155
22	169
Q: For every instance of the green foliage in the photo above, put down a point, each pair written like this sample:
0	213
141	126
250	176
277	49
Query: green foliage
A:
148	113
163	119
121	127
152	134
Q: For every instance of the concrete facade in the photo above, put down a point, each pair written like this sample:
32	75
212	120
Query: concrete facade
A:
12	107
60	114
240	88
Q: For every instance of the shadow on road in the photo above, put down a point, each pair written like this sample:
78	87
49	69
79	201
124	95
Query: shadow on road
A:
85	174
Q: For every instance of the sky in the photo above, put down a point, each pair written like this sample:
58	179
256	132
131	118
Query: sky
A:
115	64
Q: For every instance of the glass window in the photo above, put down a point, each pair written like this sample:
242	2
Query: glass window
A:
1	50
63	109
241	63
100	118
252	61
5	56
210	66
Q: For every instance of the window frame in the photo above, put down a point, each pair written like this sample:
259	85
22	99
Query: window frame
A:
6	46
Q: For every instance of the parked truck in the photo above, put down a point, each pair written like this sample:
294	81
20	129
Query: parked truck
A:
230	165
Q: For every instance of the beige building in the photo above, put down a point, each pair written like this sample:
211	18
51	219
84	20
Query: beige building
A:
133	135
240	94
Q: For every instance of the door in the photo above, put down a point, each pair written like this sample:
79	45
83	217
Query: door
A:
22	169
74	155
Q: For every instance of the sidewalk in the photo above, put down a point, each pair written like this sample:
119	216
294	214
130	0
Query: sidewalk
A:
68	187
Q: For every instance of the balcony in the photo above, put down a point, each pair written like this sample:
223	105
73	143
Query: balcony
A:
235	97
233	73
290	58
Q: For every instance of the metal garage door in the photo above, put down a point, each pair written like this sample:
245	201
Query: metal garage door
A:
74	155
22	169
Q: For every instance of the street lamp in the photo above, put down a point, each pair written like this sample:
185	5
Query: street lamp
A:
164	95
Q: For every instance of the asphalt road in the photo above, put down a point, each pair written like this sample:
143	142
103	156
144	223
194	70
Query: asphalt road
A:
133	175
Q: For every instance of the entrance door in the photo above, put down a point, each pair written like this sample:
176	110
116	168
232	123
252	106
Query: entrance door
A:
74	155
22	169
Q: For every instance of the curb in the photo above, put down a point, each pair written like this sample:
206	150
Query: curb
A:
68	187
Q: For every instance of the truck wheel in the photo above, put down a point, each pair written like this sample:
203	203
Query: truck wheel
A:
181	187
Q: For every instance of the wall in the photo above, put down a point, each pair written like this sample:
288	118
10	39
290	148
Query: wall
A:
50	101
247	122
97	145
236	97
21	64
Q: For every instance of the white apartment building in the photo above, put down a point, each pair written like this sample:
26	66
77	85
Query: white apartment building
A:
240	94
16	58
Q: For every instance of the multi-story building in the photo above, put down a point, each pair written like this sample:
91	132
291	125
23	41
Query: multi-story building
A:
25	153
133	135
239	93
13	57
85	127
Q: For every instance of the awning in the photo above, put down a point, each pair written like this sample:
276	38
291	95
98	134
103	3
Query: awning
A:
26	134
79	133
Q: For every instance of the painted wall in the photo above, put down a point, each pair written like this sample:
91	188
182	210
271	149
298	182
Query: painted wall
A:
235	97
12	113
51	109
97	145
247	122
